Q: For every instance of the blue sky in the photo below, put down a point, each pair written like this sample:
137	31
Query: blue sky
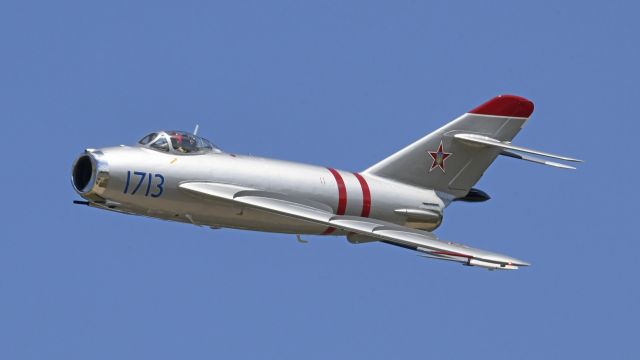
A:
332	83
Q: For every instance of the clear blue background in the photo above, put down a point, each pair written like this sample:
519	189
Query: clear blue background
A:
333	83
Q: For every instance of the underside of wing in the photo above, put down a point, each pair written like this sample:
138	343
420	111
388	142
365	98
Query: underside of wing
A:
421	241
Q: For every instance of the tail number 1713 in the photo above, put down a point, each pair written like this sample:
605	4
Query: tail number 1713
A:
154	183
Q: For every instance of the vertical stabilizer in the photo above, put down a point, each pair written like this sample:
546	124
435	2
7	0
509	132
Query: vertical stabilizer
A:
441	162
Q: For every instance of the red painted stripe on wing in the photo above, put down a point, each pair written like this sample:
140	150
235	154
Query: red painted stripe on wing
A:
451	253
342	197
366	195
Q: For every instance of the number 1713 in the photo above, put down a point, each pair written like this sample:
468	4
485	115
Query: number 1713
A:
140	177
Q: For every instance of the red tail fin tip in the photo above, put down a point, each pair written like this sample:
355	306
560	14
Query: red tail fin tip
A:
505	105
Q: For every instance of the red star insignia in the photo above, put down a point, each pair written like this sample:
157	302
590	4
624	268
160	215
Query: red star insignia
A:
439	157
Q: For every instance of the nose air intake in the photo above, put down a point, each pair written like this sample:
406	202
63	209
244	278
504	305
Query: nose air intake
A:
90	174
82	173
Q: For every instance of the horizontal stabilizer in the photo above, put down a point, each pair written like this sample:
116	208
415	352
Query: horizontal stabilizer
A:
535	160
487	141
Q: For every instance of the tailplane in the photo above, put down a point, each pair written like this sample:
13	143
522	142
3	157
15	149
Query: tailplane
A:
453	158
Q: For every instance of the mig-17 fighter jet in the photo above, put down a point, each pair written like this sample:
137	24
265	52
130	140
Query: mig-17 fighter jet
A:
179	176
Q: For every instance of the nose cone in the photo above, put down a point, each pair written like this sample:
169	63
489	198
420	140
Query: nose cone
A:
90	174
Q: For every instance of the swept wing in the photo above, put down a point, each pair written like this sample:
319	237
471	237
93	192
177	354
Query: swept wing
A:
422	241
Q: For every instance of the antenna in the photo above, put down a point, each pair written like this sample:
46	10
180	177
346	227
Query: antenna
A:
195	132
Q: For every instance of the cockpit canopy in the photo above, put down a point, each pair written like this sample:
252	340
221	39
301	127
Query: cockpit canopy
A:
178	142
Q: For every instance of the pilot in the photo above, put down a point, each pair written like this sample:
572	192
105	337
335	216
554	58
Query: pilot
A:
176	141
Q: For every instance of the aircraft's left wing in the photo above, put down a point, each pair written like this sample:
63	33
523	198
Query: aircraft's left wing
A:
422	241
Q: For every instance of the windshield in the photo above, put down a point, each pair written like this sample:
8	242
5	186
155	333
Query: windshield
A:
178	142
147	139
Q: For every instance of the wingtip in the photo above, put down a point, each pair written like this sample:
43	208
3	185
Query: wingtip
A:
559	165
518	262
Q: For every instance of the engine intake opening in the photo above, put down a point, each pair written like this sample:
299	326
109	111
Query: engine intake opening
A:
82	173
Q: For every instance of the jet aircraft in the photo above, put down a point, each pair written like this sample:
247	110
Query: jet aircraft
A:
179	176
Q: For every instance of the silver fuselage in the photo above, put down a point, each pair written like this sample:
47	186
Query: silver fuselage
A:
117	171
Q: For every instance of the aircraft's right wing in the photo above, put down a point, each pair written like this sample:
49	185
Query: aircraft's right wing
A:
390	233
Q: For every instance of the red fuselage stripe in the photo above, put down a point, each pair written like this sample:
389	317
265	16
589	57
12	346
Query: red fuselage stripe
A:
366	195
342	197
328	231
342	192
